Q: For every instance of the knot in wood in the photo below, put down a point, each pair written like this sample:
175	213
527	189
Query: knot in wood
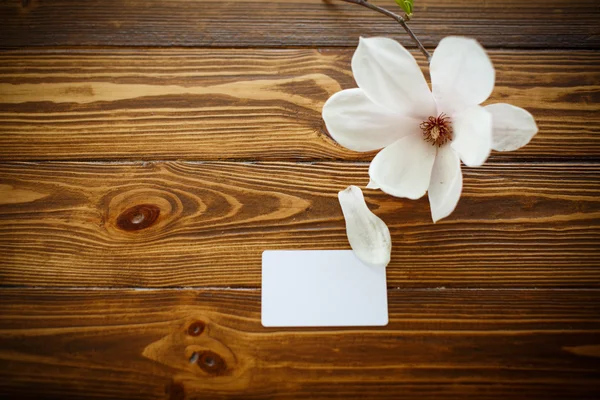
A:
211	363
138	217
196	328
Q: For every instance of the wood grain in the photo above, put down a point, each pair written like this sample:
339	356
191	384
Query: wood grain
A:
206	224
276	23
460	344
248	104
193	141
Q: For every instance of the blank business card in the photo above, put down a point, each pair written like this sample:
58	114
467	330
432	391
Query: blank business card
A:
303	288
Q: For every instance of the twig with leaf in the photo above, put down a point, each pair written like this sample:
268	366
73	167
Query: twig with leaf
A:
407	7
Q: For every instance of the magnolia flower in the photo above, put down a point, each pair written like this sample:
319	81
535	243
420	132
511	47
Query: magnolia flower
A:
424	134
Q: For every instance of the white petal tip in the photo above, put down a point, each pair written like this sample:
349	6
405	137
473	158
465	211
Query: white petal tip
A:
368	235
372	185
513	127
436	218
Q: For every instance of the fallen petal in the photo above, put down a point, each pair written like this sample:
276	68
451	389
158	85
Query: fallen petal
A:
368	235
512	127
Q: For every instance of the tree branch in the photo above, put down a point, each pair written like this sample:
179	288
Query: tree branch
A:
397	18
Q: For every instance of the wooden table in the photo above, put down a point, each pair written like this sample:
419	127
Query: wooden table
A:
150	150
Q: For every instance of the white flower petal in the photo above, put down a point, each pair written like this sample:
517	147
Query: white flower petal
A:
445	186
512	127
372	185
368	235
403	169
391	77
472	135
462	74
358	124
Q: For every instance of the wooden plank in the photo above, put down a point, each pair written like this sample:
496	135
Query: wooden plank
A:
247	104
463	344
275	23
206	224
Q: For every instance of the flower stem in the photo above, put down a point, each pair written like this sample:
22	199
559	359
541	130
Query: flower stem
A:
398	19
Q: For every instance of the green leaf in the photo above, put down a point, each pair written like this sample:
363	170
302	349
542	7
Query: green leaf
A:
406	6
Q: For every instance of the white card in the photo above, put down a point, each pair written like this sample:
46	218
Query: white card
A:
321	288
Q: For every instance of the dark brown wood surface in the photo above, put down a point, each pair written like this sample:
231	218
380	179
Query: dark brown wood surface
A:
248	104
206	224
273	23
151	150
462	344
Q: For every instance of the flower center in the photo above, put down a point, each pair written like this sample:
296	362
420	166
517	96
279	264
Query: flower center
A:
437	130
